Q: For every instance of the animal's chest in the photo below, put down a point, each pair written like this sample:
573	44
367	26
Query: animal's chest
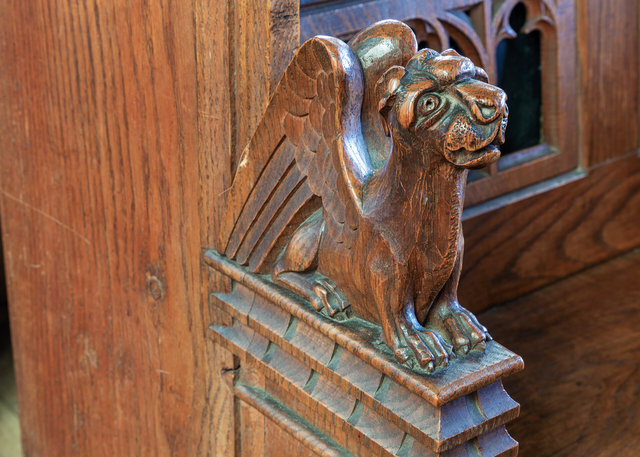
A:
437	247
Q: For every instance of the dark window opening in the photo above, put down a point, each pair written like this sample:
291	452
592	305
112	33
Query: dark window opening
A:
453	44
519	74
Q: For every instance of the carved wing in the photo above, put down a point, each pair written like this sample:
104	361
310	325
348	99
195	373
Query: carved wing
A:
307	153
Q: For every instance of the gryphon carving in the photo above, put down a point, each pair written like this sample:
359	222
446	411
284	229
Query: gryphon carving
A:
350	192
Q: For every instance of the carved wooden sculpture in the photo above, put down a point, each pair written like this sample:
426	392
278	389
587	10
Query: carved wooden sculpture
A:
344	243
350	193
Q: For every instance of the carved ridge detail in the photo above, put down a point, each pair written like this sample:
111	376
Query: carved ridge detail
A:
355	339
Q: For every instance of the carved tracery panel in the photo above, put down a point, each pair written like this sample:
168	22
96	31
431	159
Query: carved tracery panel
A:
526	46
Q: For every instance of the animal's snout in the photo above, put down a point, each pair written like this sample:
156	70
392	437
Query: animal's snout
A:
486	102
491	106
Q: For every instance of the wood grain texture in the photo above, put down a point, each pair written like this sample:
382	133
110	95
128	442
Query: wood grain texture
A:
263	38
580	339
103	218
258	436
215	156
608	38
280	443
536	241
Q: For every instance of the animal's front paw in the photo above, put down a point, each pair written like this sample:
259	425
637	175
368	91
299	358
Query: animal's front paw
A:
459	325
425	347
321	292
327	298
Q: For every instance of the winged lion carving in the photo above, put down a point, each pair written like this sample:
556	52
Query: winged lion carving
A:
350	192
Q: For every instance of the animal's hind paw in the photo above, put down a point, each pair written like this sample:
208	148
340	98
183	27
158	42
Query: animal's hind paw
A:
460	326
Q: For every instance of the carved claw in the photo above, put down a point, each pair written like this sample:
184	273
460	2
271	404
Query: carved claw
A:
430	350
331	300
461	326
320	292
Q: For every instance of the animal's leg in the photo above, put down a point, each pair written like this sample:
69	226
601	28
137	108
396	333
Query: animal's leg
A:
449	318
404	335
294	269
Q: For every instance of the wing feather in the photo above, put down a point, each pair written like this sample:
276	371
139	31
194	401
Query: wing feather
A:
289	183
260	195
307	153
294	204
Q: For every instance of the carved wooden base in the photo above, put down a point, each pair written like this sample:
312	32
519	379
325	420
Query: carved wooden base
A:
336	388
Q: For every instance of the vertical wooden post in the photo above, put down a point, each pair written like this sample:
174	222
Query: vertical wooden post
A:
115	141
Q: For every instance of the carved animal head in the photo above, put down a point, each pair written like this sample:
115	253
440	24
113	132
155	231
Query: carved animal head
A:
443	103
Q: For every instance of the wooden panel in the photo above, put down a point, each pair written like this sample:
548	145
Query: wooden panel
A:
101	206
343	19
580	339
264	36
526	245
608	50
215	401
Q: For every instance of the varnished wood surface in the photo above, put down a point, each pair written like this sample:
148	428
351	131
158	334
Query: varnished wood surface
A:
295	363
110	111
262	38
580	339
536	241
465	375
608	39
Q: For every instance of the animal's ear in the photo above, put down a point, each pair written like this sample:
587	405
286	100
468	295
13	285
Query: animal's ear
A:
386	88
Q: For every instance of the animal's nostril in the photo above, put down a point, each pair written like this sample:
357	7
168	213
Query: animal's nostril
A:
488	111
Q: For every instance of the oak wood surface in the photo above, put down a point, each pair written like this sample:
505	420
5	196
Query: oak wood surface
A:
102	131
580	339
262	40
608	38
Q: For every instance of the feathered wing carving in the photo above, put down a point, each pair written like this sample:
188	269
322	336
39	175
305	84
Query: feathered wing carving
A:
307	153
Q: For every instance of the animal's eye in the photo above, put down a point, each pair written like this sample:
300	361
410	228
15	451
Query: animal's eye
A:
428	104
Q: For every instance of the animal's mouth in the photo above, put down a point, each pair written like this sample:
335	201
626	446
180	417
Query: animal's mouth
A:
475	159
485	151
